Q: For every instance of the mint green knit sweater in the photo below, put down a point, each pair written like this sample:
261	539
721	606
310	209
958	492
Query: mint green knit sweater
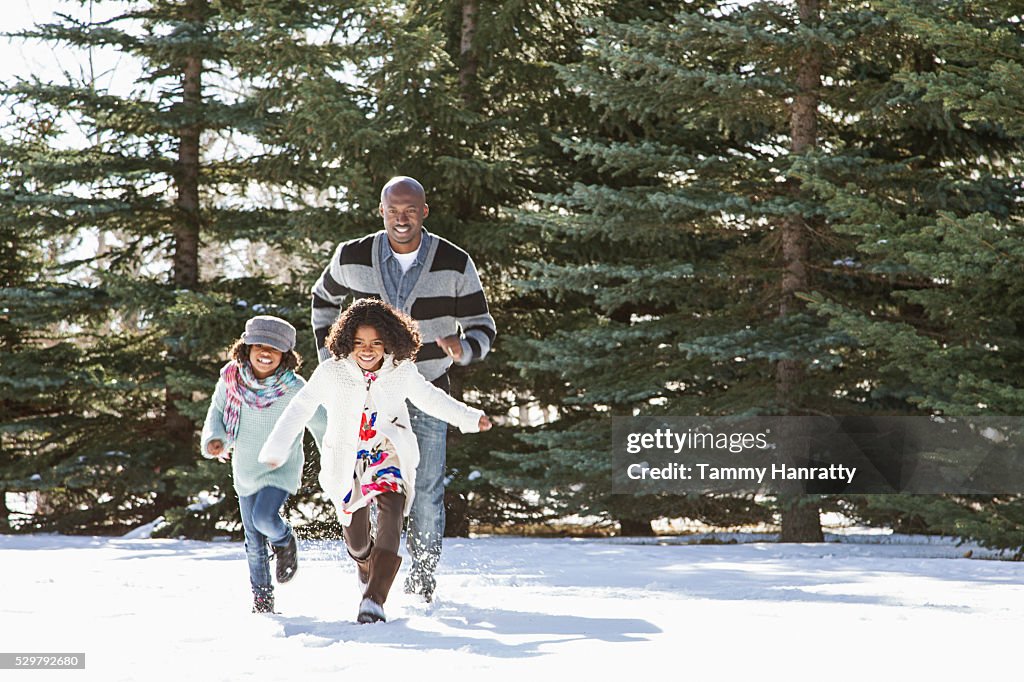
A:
253	428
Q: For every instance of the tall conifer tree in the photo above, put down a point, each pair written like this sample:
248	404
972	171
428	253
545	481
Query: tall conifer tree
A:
24	324
945	223
135	330
714	221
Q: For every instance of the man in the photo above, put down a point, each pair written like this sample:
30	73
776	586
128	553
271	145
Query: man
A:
435	283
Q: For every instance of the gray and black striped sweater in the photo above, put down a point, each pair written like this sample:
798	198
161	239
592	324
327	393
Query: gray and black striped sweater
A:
447	298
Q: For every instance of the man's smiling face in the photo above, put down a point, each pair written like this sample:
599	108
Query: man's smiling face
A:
403	210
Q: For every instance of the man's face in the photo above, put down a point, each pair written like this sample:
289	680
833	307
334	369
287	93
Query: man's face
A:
404	211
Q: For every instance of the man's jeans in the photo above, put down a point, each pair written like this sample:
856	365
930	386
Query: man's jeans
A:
262	523
426	517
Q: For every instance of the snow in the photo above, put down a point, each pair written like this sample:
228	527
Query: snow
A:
515	608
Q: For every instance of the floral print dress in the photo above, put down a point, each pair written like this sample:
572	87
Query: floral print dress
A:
378	469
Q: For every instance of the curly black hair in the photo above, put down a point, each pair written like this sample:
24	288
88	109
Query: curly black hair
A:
239	352
398	331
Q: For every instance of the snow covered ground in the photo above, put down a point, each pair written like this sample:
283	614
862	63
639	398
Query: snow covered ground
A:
523	609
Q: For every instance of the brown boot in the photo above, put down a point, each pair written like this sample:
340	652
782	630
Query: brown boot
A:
362	567
383	569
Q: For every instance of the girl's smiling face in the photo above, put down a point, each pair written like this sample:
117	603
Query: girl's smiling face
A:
368	348
264	360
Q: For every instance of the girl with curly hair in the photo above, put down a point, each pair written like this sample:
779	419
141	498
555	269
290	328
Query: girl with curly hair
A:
370	454
255	386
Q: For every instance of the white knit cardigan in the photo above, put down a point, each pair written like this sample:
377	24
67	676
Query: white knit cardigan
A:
339	386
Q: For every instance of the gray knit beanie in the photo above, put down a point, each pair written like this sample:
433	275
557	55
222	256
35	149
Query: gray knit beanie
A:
270	331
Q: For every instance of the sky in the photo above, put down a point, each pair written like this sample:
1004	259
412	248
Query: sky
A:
22	58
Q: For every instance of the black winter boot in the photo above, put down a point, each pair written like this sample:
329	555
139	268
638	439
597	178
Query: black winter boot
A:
263	600
287	561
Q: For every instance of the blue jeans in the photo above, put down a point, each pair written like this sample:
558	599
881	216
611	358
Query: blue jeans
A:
426	517
262	522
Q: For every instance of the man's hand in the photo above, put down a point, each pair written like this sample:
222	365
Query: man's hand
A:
484	423
216	449
452	345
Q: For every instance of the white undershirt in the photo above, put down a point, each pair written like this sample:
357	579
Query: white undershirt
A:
406	259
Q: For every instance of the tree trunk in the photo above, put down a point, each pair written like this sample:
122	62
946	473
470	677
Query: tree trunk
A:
803	126
801	520
465	208
456	505
5	513
186	228
467	54
185	259
456	522
635	528
456	515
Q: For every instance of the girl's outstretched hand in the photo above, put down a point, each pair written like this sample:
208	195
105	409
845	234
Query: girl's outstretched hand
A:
485	423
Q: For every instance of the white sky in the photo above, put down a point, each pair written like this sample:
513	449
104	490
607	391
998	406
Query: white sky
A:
24	58
114	72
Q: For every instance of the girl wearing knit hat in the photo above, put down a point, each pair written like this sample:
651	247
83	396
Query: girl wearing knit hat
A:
255	386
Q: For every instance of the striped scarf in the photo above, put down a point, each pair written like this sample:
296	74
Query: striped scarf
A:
242	385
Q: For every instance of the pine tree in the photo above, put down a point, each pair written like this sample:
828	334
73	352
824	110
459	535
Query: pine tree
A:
127	340
715	219
945	225
21	257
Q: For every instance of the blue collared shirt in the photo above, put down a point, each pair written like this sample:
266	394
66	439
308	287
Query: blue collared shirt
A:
398	285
